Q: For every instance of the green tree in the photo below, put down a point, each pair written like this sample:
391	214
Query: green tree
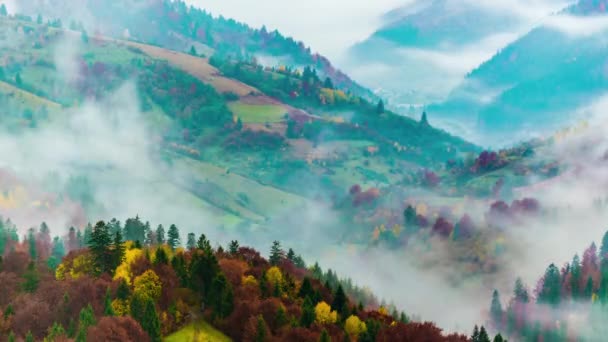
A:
496	312
11	337
424	120
160	257
276	253
308	313
193	51
604	247
328	83
588	289
575	279
324	336
151	322
107	304
31	240
233	248
86	319
160	234
261	332
204	244
55	332
123	290
18	80
100	246
39	19
191	244
173	239
499	338
84	37
550	292
29	337
118	250
3	10
483	335
340	302
31	279
221	296
9	311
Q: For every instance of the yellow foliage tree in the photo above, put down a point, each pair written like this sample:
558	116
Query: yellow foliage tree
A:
148	286
383	311
124	269
354	327
82	265
274	276
60	272
324	315
120	307
249	281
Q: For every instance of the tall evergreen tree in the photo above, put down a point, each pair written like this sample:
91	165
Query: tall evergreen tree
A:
380	107
31	239
160	234
276	253
588	289
340	301
261	332
324	336
173	239
150	322
496	312
204	244
604	247
118	250
308	313
575	278
233	248
483	335
191	244
107	304
550	292
99	245
3	10
86	319
424	120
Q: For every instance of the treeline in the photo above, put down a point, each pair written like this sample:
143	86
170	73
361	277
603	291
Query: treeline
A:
133	282
578	289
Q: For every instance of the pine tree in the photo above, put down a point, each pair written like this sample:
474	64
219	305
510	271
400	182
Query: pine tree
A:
550	292
281	318
3	10
233	247
29	337
123	291
475	335
151	322
39	19
99	245
261	333
86	319
521	293
604	247
424	120
306	290
173	239
496	311
9	311
308	313
11	337
324	336
31	279
328	83
204	244
107	302
276	253
193	50
483	335
588	289
191	244
31	239
18	80
291	255
575	279
160	257
340	300
118	250
499	338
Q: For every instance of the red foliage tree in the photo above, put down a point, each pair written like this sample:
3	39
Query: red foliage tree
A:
442	227
117	329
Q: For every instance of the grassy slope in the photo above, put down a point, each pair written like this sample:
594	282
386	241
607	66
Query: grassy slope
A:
199	331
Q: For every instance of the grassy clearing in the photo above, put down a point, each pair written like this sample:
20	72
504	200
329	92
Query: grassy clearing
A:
249	198
200	331
257	113
27	98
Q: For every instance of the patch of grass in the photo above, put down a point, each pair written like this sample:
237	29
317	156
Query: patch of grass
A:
199	331
257	113
26	97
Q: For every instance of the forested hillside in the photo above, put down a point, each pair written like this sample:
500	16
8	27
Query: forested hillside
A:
95	285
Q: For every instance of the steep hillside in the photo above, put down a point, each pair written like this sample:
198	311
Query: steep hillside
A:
537	83
248	145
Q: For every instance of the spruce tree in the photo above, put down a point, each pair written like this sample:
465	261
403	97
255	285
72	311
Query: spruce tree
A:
107	304
291	255
99	245
475	335
160	234
191	244
604	247
204	244
3	10
550	292
496	312
31	239
276	253
380	107
340	300
588	289
424	120
31	279
29	337
11	337
86	319
160	256
173	239
324	336
118	250
261	333
308	313
123	290
151	322
233	248
499	338
483	335
575	278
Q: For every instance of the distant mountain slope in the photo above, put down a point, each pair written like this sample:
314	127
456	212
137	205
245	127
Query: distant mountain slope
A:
538	82
424	50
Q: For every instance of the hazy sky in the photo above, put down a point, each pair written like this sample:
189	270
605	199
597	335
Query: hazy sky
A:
327	26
